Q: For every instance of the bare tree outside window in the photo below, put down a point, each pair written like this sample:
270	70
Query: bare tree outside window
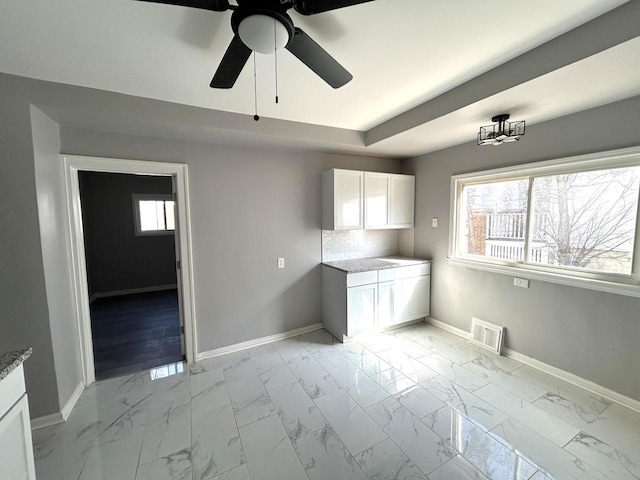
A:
587	220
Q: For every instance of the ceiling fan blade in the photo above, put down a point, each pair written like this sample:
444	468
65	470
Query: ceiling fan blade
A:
318	60
311	7
231	65
214	5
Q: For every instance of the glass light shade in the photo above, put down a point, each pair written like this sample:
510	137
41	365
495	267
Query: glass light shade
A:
263	34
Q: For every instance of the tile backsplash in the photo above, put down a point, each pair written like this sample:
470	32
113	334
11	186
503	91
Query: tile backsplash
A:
348	244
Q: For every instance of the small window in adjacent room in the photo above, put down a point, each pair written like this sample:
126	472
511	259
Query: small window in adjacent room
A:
571	221
154	214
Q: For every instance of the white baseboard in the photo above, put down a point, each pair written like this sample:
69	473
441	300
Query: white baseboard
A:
448	328
569	377
256	342
46	421
62	415
132	291
71	402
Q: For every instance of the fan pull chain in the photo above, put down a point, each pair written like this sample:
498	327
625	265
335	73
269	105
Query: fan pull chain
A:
256	117
275	54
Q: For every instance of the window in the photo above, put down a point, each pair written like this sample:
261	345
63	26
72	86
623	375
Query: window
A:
154	214
572	221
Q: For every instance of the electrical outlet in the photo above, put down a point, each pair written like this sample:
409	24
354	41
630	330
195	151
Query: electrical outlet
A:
280	262
521	282
434	222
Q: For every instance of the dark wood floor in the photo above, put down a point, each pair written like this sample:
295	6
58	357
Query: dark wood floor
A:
132	333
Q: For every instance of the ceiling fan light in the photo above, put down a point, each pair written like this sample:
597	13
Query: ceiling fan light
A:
257	32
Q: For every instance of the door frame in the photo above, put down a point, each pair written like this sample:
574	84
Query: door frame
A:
73	164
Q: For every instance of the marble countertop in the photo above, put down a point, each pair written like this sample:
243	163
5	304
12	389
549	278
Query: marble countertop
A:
377	263
12	360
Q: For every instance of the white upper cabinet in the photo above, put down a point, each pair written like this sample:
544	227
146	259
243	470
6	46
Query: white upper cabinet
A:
402	204
377	194
353	200
342	200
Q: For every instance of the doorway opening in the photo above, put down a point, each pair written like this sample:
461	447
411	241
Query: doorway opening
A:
169	294
130	250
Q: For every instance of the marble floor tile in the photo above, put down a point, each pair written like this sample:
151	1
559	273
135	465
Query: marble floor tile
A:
407	365
456	373
126	417
264	357
505	379
426	449
299	415
249	400
356	430
538	420
543	454
277	376
60	453
357	384
478	447
315	380
605	458
618	426
418	401
324	456
169	432
467	403
216	446
238	473
174	466
117	460
269	452
581	398
393	381
310	407
208	392
385	461
458	468
362	358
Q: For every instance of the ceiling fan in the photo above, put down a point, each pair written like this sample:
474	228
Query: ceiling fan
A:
263	26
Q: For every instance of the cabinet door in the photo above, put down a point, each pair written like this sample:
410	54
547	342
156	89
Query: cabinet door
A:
377	189
348	195
361	309
412	298
402	200
16	450
386	304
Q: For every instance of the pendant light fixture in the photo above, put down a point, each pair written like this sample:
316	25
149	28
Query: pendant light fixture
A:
501	131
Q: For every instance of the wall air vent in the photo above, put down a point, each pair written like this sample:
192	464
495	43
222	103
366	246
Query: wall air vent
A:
487	335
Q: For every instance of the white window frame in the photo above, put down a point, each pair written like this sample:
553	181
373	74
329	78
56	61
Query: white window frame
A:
136	198
614	283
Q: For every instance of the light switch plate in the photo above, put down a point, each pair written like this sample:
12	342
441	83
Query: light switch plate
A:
434	222
280	262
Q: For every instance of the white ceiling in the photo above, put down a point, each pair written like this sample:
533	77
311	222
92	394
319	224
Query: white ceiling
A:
402	53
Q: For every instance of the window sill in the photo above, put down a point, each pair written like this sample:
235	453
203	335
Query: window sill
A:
580	282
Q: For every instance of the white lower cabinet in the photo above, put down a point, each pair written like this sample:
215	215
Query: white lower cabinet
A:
374	300
16	450
403	300
361	309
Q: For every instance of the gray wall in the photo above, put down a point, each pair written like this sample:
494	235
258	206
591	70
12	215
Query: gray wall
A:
117	258
248	207
24	316
592	334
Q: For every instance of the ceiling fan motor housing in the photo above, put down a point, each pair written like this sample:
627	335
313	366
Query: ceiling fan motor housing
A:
257	32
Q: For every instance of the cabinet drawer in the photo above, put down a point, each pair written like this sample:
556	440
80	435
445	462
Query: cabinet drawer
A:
362	278
11	389
398	273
